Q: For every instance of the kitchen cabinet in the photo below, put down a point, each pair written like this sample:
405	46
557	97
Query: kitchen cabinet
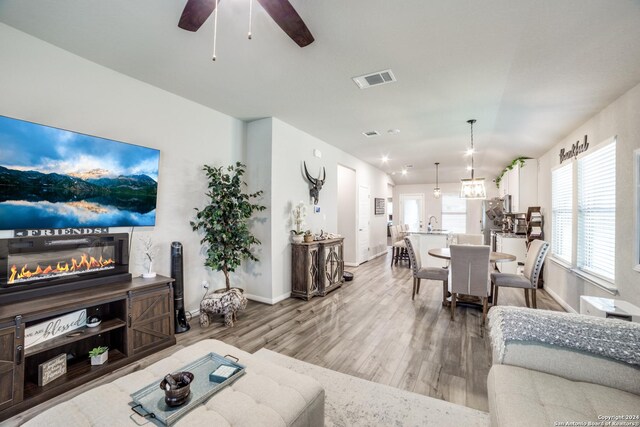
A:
511	244
521	183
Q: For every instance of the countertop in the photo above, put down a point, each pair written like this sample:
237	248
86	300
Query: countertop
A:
441	232
511	235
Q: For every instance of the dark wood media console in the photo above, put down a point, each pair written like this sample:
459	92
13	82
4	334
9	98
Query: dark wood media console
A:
137	320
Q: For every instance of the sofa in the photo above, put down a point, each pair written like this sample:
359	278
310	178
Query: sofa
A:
552	368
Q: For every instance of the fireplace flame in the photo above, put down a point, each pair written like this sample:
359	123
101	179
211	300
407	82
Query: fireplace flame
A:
86	263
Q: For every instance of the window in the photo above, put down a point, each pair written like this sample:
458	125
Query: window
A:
562	212
454	213
597	212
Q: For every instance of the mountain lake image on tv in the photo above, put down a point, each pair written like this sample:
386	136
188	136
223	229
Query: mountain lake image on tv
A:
53	178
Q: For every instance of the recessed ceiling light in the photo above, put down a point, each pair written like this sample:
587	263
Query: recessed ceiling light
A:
468	167
404	171
371	133
385	159
469	152
393	131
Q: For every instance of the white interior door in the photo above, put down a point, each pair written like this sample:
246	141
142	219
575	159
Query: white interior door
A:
364	213
412	211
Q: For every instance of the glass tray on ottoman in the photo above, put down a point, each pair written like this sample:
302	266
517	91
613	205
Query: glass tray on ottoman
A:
151	397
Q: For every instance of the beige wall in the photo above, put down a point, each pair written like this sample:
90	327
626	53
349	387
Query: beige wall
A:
619	119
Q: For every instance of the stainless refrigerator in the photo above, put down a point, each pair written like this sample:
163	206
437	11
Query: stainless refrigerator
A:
493	211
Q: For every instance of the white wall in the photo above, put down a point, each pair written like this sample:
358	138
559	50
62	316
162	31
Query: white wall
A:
434	206
347	201
619	118
288	185
44	84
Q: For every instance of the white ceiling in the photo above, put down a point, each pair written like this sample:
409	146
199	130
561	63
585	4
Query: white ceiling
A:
528	71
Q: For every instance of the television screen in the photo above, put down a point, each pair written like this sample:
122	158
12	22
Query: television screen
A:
53	178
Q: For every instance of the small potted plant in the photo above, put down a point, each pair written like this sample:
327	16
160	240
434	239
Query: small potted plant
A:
298	214
308	237
99	355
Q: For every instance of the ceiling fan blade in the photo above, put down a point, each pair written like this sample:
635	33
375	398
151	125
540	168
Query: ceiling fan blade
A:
195	13
288	19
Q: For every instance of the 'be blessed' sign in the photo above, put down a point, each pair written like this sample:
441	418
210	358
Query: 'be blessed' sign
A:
52	328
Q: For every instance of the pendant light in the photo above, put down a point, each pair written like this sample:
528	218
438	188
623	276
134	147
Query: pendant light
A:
472	188
436	191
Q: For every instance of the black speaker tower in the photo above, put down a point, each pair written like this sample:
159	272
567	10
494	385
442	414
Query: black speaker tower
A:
178	288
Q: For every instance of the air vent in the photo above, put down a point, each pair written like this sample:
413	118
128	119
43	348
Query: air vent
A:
375	79
371	133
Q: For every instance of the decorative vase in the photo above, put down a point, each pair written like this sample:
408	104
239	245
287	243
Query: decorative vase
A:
100	359
297	238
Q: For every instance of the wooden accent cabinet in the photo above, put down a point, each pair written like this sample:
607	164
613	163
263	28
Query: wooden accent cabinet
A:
317	267
137	320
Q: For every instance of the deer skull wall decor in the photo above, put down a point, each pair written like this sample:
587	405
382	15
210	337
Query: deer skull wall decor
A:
316	183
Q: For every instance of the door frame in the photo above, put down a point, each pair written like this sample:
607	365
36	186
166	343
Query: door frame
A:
359	258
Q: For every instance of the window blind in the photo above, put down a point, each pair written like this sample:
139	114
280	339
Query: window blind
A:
454	213
597	212
562	212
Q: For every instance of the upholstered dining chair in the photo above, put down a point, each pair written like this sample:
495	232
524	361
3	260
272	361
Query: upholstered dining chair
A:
470	274
420	272
398	246
529	280
470	239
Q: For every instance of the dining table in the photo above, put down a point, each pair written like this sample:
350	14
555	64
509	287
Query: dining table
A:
445	253
494	257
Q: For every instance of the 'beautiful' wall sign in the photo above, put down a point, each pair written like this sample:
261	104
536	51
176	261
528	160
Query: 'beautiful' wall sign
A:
576	149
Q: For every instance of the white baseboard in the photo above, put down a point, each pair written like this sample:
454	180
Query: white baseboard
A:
559	300
350	264
270	301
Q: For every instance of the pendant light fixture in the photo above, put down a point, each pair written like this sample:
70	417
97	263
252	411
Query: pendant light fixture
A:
472	188
436	190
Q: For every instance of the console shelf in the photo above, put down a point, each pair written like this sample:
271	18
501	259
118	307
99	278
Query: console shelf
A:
138	320
75	335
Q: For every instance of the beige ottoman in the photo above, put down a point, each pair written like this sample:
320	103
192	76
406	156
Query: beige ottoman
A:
267	395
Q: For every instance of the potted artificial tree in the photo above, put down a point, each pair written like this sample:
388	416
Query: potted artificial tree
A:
224	220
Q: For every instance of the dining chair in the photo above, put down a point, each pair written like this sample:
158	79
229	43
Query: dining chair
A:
398	246
529	279
470	239
470	274
420	272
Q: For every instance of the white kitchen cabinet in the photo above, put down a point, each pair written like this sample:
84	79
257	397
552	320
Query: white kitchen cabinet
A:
521	183
431	241
514	245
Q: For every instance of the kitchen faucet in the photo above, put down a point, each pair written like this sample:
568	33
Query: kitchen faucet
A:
429	227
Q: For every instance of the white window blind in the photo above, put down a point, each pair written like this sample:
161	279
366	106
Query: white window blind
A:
454	213
597	212
562	212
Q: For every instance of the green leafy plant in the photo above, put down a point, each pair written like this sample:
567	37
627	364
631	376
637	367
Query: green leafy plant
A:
97	351
517	161
224	220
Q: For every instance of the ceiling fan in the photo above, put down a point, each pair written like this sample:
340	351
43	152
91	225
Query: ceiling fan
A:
281	11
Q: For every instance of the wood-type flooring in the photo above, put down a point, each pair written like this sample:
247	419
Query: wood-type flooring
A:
369	328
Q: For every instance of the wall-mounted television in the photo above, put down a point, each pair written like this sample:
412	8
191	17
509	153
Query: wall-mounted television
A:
54	178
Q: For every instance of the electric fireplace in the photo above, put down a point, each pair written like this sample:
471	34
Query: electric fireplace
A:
34	266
